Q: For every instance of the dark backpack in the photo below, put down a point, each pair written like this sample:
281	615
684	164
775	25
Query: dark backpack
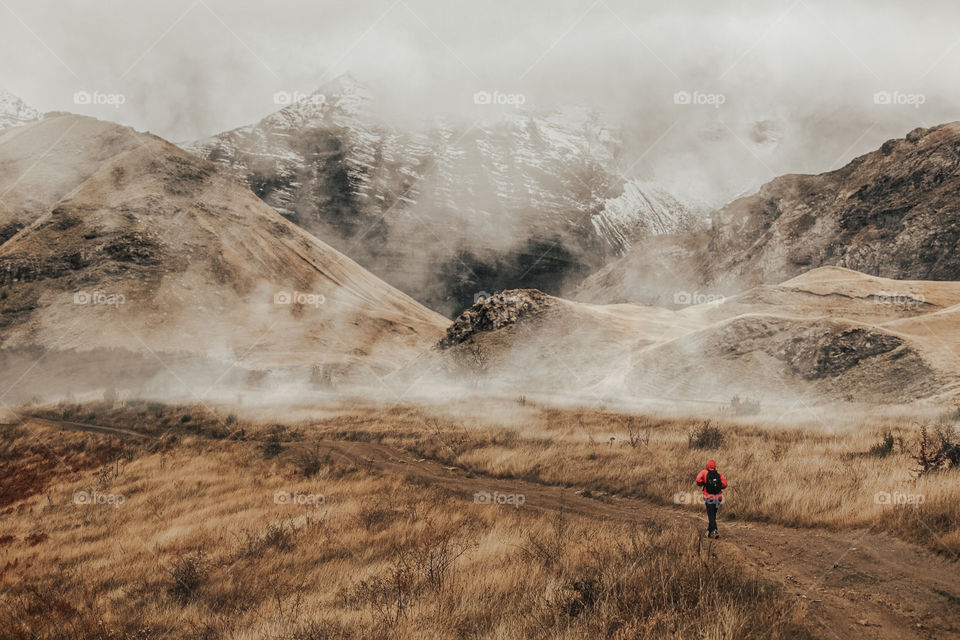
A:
714	484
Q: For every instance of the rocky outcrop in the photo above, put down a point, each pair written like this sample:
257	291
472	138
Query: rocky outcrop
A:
496	312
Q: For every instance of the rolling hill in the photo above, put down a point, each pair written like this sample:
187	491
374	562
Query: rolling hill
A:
831	334
149	250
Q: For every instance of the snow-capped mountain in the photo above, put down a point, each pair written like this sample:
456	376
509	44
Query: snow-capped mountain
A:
643	209
14	111
518	200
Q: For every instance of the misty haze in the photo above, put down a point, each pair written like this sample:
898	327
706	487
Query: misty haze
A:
419	319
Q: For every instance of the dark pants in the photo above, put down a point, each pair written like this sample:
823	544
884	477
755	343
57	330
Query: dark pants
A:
712	506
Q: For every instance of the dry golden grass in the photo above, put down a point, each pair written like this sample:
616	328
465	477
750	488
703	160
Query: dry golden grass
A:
200	548
804	475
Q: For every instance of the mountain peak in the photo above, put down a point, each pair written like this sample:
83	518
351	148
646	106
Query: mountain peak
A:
343	83
344	96
519	183
14	111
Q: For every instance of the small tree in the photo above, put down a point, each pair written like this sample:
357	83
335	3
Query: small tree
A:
476	358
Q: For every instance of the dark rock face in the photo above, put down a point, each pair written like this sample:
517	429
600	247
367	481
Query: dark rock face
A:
829	354
9	230
827	358
893	213
812	350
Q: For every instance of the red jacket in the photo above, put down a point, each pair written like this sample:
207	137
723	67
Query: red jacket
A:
702	481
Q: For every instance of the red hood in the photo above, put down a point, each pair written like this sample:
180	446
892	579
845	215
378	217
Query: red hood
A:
711	465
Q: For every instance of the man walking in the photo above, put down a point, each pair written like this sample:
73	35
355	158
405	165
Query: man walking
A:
713	484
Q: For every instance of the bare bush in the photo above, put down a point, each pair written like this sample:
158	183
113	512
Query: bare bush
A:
637	433
937	450
705	436
883	448
311	461
189	572
388	595
549	550
278	536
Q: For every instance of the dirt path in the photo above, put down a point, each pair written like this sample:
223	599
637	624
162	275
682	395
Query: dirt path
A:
855	584
88	428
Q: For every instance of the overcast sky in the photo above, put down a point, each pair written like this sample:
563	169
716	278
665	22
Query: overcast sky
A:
783	86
